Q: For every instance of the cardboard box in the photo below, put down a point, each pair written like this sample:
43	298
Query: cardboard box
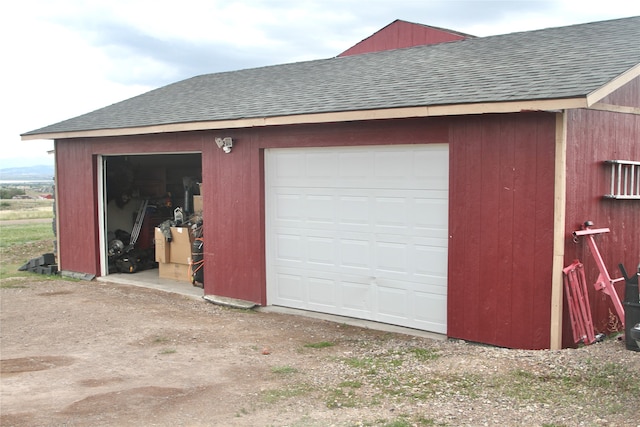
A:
162	246
197	204
180	245
173	271
178	250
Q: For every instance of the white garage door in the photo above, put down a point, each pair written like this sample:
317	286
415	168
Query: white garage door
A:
359	232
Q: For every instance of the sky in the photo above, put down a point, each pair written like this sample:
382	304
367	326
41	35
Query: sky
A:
64	58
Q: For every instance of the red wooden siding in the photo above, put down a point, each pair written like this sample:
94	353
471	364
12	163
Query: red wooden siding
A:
501	227
595	136
77	207
234	220
501	210
400	34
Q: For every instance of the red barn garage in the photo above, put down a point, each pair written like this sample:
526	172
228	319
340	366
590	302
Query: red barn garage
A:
434	187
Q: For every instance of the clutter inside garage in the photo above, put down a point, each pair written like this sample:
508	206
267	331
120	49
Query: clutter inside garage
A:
154	215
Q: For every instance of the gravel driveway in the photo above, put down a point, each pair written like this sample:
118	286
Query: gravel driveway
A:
103	354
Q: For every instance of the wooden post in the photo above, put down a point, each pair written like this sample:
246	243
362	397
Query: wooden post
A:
559	209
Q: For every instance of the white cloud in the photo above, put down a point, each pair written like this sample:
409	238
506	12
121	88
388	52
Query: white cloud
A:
64	58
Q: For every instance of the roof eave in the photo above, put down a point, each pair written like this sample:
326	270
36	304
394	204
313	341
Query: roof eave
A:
613	85
341	116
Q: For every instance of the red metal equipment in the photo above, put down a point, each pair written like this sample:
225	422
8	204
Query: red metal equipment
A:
575	288
604	282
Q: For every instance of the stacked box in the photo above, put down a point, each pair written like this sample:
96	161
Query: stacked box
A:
174	257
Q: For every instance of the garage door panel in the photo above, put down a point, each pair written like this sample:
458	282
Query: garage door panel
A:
363	297
428	285
385	169
355	253
390	212
431	261
393	305
320	208
322	294
290	288
437	174
431	214
289	208
321	250
434	243
391	257
355	164
360	231
394	257
356	299
289	248
286	166
353	210
396	210
432	308
320	165
393	165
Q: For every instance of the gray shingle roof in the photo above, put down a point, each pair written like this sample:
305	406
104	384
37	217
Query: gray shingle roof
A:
553	63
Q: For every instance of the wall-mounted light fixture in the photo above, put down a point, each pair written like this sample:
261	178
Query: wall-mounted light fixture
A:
225	143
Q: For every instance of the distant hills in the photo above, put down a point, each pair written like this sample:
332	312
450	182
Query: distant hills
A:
27	173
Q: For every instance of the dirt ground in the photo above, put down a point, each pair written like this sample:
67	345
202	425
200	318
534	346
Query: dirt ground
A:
98	354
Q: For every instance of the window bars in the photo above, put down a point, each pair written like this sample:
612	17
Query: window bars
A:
625	179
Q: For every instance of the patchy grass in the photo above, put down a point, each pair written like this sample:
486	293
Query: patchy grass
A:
342	397
400	421
12	283
276	395
352	384
425	354
321	344
607	383
241	412
283	370
12	235
10	286
168	351
384	377
25	209
612	377
42	213
359	362
19	244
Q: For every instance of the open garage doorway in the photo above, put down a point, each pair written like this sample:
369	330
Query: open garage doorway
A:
138	194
